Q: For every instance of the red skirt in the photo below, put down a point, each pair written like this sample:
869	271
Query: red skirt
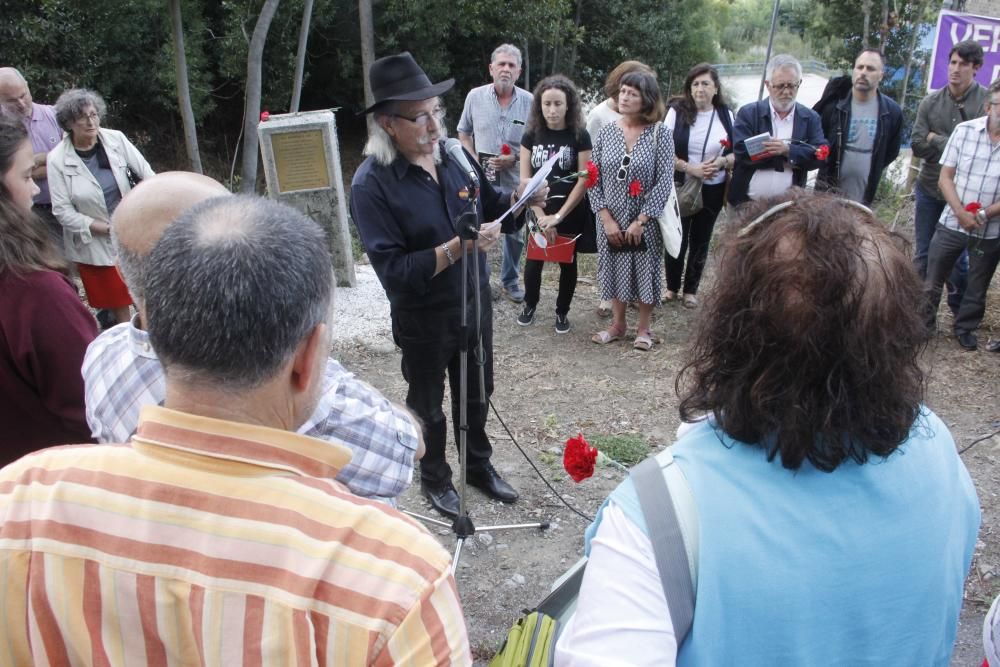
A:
104	286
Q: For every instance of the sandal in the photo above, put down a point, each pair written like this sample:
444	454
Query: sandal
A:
604	309
669	295
643	341
609	335
690	301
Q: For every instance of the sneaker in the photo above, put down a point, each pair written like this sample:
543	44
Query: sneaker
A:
562	324
514	293
527	316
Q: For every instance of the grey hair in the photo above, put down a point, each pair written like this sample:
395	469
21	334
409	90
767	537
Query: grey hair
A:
235	284
784	61
72	103
133	267
380	145
509	49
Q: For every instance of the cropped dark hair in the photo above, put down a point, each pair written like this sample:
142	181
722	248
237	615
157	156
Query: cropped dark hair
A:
685	106
808	346
970	51
72	103
653	108
24	244
234	285
574	108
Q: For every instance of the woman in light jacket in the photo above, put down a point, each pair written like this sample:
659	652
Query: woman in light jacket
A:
89	173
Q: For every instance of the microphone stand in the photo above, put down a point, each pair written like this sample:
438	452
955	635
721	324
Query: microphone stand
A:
467	226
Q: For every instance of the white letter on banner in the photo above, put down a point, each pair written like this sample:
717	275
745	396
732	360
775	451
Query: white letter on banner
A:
995	47
954	33
996	73
982	34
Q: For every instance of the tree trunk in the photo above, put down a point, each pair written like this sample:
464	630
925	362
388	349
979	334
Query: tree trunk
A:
883	28
251	112
300	56
571	67
866	8
367	53
527	66
183	88
909	54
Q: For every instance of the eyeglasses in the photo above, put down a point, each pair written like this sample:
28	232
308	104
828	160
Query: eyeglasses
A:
424	117
623	167
90	116
784	87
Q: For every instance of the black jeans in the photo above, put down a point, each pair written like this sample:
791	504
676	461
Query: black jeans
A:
946	246
983	258
533	284
695	241
431	345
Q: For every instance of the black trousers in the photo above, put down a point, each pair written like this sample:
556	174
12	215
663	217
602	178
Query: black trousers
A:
945	248
697	235
533	283
431	346
983	258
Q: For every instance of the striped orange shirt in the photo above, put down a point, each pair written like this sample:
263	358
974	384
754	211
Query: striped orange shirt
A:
206	542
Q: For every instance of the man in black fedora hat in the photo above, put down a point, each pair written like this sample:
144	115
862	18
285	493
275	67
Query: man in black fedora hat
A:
405	200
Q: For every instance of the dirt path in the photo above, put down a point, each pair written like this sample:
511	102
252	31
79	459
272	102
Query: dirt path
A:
551	387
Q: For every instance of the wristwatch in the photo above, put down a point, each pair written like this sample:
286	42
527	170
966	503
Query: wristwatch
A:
982	216
447	254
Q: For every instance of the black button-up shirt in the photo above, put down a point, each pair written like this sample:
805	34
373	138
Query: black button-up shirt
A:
402	215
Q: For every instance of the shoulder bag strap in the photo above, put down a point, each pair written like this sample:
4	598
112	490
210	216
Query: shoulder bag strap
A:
708	132
668	544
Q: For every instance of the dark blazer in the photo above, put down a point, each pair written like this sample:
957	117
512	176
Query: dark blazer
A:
754	119
888	134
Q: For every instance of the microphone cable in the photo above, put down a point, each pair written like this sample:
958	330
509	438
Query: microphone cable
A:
538	472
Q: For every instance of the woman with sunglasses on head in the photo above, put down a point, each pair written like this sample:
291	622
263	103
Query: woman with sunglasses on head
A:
555	126
89	173
44	328
702	127
635	161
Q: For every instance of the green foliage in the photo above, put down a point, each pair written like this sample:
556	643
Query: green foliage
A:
627	449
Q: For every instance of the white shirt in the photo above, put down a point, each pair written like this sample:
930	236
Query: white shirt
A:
622	617
768	182
696	139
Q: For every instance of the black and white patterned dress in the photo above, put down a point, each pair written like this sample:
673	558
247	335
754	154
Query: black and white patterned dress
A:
632	275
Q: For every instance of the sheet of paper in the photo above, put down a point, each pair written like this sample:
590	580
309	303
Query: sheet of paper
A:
535	184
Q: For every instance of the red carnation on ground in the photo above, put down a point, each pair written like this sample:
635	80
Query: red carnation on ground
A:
264	115
579	458
725	143
591	174
505	149
823	152
634	188
973	207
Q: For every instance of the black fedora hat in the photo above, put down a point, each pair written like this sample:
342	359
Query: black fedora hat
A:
399	77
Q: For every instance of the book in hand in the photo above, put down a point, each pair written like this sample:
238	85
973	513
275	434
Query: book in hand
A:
484	162
755	147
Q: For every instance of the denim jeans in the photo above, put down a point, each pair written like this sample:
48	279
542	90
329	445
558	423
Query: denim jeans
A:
926	214
513	245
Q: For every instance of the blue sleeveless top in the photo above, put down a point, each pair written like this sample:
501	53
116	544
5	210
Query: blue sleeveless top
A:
862	566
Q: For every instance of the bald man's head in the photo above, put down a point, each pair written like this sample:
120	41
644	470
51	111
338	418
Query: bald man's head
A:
15	98
144	214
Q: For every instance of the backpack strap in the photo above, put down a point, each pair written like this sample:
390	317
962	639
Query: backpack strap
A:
668	544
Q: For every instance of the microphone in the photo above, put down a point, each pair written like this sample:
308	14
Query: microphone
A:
454	149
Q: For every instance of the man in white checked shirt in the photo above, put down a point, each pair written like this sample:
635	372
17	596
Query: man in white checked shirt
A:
970	175
122	373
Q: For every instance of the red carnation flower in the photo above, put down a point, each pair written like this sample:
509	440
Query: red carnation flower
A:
579	458
823	152
505	149
634	188
973	208
725	143
591	174
264	115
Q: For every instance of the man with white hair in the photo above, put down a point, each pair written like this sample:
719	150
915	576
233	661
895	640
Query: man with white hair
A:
796	133
45	134
494	116
406	200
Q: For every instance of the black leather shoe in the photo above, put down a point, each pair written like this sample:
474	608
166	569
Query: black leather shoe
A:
967	340
442	498
488	480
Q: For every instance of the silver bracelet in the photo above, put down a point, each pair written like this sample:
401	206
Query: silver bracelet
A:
447	253
982	215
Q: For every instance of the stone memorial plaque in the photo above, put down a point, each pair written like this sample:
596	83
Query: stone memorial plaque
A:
300	160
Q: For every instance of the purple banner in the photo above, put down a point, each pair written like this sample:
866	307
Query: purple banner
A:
952	28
